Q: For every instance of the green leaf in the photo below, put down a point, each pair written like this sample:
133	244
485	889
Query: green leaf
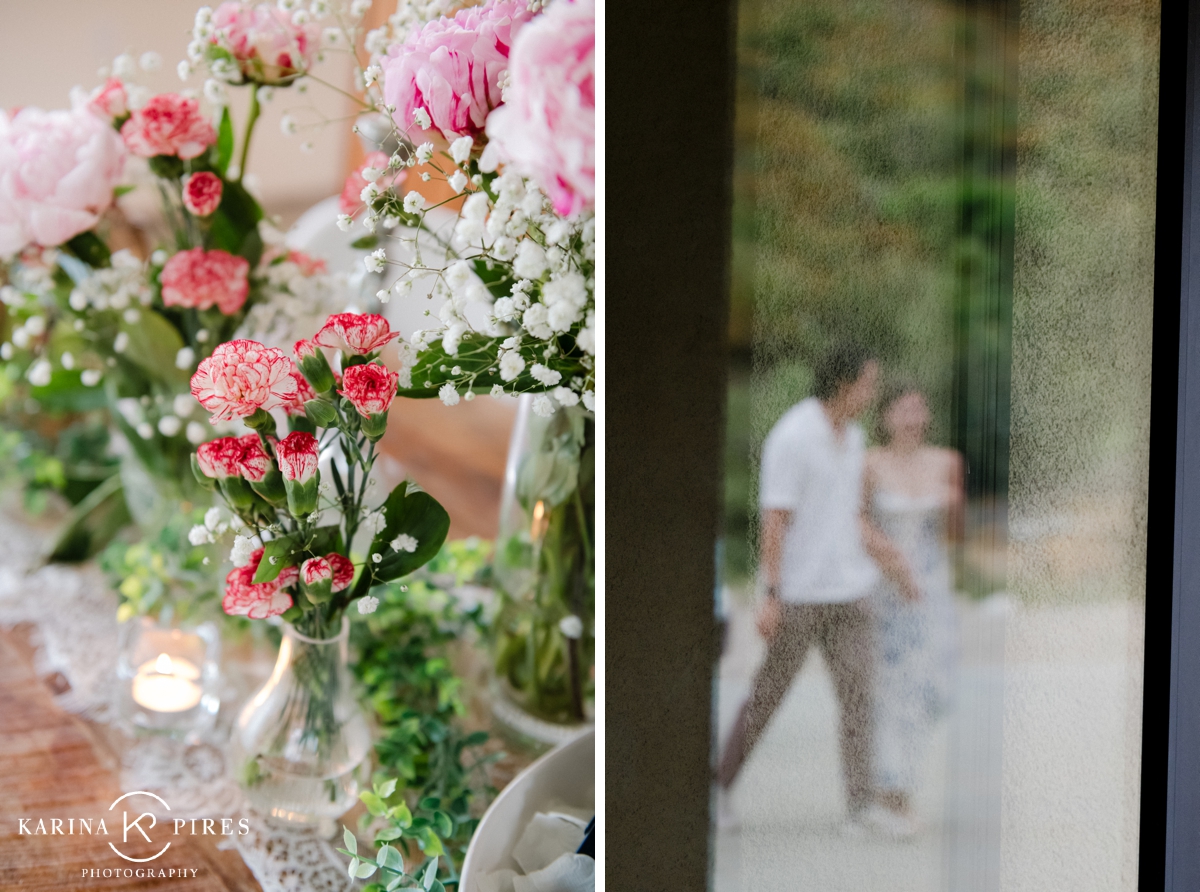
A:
401	815
443	824
390	858
387	788
350	839
373	803
233	226
387	834
415	514
437	886
430	874
366	243
395	883
224	142
153	343
122	190
365	869
281	549
476	738
89	248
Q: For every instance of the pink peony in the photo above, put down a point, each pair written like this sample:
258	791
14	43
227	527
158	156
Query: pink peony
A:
547	128
242	376
110	100
316	570
220	458
343	571
369	387
168	124
202	279
294	405
58	170
202	193
451	68
360	333
351	201
268	46
244	598
298	456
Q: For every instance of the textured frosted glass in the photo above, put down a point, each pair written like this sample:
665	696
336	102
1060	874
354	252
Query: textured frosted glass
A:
968	194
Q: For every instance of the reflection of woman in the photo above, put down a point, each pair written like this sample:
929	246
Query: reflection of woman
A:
914	494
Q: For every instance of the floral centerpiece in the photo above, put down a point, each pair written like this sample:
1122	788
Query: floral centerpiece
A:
301	739
497	103
99	313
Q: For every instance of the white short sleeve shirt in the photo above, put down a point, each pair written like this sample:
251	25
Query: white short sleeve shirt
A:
806	470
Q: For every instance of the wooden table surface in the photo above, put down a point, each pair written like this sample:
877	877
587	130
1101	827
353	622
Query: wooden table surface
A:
56	765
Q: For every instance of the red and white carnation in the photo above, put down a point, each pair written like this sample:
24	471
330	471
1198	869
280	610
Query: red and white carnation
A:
110	99
298	456
202	193
315	571
546	129
220	458
241	377
266	599
269	46
343	570
201	279
253	462
58	170
370	387
450	69
295	404
168	124
360	333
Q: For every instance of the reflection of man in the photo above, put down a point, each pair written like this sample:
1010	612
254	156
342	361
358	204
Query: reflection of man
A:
816	571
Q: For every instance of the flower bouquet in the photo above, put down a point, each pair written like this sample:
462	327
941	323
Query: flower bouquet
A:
496	103
100	315
301	739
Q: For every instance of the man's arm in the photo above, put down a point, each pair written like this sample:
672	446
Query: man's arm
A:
775	524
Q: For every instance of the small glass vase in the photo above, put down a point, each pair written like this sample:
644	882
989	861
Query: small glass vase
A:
169	675
301	742
544	632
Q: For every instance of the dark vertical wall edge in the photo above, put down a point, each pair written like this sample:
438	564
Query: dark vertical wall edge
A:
1170	808
669	159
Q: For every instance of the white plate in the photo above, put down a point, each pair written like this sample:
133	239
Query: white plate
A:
565	776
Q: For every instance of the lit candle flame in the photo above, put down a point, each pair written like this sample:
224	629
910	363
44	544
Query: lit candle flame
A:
537	528
163	665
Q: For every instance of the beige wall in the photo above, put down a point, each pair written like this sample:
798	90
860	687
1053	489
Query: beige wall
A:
49	46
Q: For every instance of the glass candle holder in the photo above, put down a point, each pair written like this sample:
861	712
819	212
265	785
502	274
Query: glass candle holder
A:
169	676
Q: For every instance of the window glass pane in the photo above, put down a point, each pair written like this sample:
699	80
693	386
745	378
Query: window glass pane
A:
937	446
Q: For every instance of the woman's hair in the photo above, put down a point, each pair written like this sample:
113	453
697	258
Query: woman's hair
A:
892	391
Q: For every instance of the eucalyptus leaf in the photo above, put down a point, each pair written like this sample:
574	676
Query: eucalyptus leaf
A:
350	839
365	869
430	874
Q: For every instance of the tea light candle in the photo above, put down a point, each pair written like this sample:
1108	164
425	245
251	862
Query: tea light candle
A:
167	685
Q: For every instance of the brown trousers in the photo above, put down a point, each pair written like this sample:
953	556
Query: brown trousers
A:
843	633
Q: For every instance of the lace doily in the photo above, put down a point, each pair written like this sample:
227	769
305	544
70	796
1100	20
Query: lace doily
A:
73	614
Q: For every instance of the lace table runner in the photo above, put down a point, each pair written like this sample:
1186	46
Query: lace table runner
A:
73	614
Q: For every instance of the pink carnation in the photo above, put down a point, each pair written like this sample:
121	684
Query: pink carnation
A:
451	68
360	333
168	124
58	170
298	456
202	279
547	128
110	100
242	376
268	46
369	387
294	405
343	570
244	598
316	570
202	193
351	201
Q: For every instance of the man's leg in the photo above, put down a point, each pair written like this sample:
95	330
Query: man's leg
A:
846	641
785	654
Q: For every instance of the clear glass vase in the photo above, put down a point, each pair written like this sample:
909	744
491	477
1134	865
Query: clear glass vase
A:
544	631
301	742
